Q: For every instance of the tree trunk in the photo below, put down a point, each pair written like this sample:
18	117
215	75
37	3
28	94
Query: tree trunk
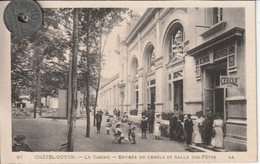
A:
38	85
73	85
99	73
46	101
87	80
34	109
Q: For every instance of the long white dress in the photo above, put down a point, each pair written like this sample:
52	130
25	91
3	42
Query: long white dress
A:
197	137
157	131
217	141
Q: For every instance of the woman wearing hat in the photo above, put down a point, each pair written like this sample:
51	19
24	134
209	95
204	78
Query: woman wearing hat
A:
19	144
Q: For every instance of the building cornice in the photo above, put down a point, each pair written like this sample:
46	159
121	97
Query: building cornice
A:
109	81
141	24
225	37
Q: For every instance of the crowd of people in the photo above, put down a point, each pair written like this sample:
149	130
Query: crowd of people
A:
203	131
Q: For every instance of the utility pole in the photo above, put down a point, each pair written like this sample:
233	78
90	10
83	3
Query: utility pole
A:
73	84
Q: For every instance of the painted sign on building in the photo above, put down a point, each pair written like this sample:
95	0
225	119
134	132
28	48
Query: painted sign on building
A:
227	81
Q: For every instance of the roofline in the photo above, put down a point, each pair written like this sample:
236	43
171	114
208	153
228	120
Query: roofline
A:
146	17
110	80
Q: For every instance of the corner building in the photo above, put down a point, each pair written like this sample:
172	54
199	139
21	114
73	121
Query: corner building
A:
173	58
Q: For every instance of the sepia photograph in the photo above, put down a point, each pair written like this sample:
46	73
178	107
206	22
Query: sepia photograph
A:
134	79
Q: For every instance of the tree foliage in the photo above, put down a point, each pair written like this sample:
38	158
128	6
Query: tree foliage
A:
45	53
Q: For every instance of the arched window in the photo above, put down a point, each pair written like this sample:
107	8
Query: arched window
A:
134	67
149	57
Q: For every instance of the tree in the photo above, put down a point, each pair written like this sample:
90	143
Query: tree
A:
94	22
73	82
45	59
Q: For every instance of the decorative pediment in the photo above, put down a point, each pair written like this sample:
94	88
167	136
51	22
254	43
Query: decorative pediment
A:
135	78
177	59
150	71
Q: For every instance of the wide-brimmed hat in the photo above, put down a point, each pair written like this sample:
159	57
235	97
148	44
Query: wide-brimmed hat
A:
119	123
19	138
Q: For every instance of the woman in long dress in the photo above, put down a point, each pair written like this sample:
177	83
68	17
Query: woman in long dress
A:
157	131
197	132
217	140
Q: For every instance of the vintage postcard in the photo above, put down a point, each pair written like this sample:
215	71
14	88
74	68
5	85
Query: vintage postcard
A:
129	82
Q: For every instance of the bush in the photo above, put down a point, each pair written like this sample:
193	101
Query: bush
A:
133	112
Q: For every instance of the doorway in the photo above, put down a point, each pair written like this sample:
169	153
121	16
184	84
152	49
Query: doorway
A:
213	95
153	98
219	100
178	95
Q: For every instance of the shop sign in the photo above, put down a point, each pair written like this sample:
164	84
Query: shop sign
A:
226	81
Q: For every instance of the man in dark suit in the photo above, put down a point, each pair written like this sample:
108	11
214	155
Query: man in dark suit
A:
188	126
151	122
171	126
208	128
144	127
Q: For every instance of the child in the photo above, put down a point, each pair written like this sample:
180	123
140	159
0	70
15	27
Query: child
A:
108	126
157	131
19	144
119	132
131	132
144	127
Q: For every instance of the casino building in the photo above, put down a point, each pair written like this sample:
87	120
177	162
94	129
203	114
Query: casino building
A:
187	59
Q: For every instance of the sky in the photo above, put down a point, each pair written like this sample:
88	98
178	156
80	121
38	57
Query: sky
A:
111	59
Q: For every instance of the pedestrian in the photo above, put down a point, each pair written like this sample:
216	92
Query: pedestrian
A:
98	125
118	113
157	127
131	132
174	126
188	126
179	132
171	126
150	122
217	140
20	144
208	128
198	129
108	126
115	112
144	127
101	114
118	131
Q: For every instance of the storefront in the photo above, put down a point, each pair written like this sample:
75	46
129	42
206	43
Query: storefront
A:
220	67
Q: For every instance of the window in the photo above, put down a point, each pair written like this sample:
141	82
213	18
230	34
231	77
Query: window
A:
148	95
137	96
217	15
152	82
170	92
150	57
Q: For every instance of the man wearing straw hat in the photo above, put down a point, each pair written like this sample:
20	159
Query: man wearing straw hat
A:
19	144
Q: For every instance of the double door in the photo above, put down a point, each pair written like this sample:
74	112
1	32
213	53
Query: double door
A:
213	95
